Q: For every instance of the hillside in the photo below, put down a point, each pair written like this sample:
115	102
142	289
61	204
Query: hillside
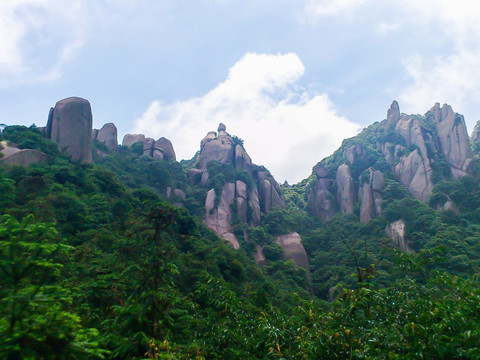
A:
122	252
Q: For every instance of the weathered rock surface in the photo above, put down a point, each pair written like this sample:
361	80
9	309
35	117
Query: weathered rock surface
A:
321	201
224	149
130	139
219	218
11	155
70	126
293	249
160	149
106	135
346	189
453	136
259	255
176	196
396	231
475	133
371	195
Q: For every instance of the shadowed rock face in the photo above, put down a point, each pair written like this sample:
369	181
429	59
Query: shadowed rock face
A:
70	126
321	201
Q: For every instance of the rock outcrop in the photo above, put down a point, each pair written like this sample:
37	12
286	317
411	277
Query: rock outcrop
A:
224	149
293	249
321	201
160	149
246	201
106	135
218	215
396	232
420	151
70	126
12	155
453	136
475	137
176	196
370	195
346	189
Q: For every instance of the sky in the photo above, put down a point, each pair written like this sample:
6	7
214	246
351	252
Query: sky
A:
292	78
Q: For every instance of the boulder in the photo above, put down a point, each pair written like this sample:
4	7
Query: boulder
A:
393	114
107	135
165	146
70	126
130	139
415	173
293	249
11	155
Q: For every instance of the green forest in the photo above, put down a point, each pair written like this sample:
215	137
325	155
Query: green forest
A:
97	263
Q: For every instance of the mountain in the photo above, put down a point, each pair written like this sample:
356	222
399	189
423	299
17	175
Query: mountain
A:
119	251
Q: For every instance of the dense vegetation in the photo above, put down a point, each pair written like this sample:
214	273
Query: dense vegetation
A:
95	263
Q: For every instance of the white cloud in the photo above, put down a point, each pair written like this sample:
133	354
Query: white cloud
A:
30	29
284	127
332	7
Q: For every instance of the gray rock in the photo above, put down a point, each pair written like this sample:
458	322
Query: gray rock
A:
393	114
321	171
194	176
476	133
259	255
130	139
254	203
416	174
269	195
11	155
321	201
219	149
242	160
165	146
453	136
346	189
107	135
148	144
241	189
370	194
396	231
70	126
294	250
219	219
221	127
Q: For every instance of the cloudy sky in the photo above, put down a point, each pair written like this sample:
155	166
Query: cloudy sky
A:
290	77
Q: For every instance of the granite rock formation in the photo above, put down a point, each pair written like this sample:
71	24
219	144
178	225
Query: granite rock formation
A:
293	249
106	135
70	126
419	150
157	149
12	155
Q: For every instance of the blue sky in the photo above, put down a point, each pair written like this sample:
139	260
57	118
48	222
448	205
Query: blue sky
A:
291	78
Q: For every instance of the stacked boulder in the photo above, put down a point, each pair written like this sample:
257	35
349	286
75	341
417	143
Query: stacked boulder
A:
160	149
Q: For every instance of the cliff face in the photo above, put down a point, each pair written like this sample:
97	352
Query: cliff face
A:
418	150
